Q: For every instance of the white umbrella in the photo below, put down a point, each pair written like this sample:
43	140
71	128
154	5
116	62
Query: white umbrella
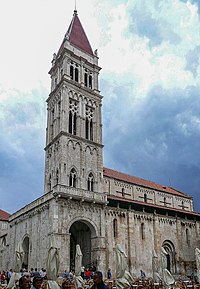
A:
78	264
163	258
155	265
53	263
124	278
14	279
197	255
169	281
19	253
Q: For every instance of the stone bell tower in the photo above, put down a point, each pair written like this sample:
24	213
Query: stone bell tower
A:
73	161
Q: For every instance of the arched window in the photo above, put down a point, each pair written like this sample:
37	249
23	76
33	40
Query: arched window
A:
73	109
49	183
90	182
90	81
115	228
4	241
170	257
145	198
76	74
187	236
72	178
52	123
57	177
89	123
74	124
86	79
91	130
86	128
142	231
71	72
70	122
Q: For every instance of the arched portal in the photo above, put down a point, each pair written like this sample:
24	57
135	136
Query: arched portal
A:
169	248
80	234
25	246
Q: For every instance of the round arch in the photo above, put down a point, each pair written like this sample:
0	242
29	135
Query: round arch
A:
83	232
88	222
170	249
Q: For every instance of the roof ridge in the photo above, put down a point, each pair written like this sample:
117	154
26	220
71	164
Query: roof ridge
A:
147	183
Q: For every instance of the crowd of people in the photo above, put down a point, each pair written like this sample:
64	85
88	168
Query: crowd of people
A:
37	279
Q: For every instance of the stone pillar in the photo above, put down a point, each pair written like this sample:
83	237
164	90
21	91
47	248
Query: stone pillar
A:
64	242
98	253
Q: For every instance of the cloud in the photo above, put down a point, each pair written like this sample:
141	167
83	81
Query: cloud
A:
192	60
151	25
160	137
196	3
149	52
22	139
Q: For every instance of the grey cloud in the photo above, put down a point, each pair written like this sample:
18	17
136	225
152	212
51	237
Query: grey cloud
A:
158	30
22	139
160	140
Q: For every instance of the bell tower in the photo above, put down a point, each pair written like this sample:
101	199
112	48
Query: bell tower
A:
73	160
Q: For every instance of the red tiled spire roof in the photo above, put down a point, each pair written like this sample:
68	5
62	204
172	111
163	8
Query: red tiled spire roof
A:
4	216
141	182
76	35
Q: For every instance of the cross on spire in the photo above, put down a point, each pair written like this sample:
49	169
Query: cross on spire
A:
75	10
165	203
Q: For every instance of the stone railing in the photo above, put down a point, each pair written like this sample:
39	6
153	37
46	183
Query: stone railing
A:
79	194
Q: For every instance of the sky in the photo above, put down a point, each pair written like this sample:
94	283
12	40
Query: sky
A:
149	51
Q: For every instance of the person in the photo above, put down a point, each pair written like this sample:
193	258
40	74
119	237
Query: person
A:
37	282
31	272
83	272
36	273
71	275
2	277
64	275
109	275
43	274
142	274
24	282
87	274
98	281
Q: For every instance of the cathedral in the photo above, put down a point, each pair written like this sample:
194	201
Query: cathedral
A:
87	204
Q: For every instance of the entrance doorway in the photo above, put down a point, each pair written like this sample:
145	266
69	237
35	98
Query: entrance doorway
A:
81	235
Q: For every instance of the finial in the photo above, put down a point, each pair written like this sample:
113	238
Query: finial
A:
75	10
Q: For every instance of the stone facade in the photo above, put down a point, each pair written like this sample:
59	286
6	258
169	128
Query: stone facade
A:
87	204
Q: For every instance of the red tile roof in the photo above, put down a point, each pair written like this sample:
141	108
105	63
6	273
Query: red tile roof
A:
141	182
4	216
77	36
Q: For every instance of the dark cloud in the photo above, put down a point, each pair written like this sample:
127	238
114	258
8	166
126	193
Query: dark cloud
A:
160	137
22	139
157	30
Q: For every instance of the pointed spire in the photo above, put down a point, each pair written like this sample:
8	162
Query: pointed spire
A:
77	36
